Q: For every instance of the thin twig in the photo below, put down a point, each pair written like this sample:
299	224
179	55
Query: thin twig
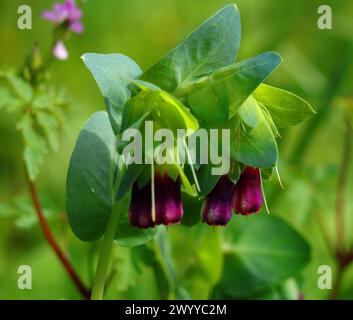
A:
52	242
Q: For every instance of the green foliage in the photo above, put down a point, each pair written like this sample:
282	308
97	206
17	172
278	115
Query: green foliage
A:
229	87
161	107
260	254
286	108
90	178
257	146
248	112
20	87
8	101
127	235
211	46
20	210
91	181
34	145
196	84
113	74
316	66
39	117
198	258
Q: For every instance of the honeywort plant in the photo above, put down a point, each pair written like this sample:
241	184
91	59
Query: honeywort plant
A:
40	106
199	84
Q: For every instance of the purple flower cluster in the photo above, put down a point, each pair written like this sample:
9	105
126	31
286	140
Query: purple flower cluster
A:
244	197
64	14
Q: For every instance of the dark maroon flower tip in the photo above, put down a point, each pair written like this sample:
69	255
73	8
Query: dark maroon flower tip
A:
169	208
217	208
247	196
140	207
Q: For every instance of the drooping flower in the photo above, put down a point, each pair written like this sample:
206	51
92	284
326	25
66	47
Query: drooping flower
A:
65	13
169	208
168	205
141	206
217	208
60	51
247	196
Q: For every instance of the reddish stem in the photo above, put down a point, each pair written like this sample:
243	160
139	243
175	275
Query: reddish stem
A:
52	242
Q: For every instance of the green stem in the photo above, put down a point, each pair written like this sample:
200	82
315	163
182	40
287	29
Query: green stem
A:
341	187
337	77
103	262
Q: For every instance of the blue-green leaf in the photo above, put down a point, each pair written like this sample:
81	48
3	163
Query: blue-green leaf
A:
113	74
212	45
260	254
90	178
229	87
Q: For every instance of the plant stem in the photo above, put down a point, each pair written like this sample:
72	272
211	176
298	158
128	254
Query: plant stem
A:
52	242
344	258
337	283
103	262
337	77
325	234
341	187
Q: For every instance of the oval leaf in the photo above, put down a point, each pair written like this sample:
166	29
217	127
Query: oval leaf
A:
260	254
89	196
230	86
212	45
257	146
286	108
113	74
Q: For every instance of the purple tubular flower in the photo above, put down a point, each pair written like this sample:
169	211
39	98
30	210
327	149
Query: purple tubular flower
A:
65	13
169	208
247	197
168	205
140	207
217	208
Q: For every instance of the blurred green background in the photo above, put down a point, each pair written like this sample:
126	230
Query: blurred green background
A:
317	66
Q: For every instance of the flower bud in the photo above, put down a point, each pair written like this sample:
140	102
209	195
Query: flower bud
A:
169	208
247	196
217	208
59	51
